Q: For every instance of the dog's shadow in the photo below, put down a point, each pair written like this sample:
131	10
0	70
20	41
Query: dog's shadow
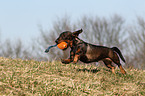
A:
88	70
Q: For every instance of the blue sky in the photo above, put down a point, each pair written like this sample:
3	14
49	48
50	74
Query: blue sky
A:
19	19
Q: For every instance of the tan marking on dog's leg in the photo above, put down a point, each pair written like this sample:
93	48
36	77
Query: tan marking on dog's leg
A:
114	57
113	70
108	62
66	61
76	58
122	70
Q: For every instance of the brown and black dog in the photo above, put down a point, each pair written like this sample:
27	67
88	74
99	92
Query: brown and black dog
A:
88	53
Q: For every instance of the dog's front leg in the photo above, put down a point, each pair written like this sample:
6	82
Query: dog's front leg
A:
67	61
76	58
73	59
78	53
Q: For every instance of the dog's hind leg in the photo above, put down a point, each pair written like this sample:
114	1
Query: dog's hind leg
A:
108	62
114	57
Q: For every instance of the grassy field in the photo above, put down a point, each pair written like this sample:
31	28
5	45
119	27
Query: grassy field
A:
29	77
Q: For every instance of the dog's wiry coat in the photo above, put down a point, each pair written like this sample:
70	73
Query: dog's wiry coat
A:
88	53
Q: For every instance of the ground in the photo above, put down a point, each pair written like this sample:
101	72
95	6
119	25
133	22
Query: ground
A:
29	77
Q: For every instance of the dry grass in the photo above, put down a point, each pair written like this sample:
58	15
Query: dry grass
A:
28	77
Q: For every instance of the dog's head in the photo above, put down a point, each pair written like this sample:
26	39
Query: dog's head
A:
68	37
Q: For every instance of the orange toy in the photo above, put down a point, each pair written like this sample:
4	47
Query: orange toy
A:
62	45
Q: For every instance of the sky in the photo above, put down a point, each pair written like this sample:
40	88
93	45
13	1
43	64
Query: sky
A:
19	19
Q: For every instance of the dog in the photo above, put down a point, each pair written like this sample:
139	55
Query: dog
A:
88	53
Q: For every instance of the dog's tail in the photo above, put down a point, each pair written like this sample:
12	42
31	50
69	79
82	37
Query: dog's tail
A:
120	54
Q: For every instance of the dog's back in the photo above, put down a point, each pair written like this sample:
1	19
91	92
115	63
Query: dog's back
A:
95	53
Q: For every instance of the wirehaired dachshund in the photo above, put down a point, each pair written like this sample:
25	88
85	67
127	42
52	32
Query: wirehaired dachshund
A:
88	53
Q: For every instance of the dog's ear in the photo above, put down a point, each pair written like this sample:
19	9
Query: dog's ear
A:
76	33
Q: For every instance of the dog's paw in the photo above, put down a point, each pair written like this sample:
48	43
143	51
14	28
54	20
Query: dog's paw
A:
74	62
65	61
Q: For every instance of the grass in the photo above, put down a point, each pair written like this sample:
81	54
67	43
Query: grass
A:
29	77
